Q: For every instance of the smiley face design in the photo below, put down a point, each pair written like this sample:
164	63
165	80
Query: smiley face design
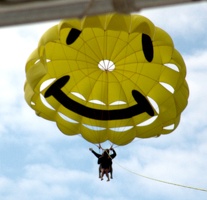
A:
110	77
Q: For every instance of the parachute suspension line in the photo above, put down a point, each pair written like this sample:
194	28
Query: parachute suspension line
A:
85	11
114	147
161	181
111	146
101	148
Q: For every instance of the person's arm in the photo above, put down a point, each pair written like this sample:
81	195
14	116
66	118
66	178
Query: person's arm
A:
96	154
100	160
114	153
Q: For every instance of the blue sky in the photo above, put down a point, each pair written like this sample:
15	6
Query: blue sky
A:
38	162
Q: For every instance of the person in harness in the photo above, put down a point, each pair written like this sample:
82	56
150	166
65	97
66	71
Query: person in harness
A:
105	162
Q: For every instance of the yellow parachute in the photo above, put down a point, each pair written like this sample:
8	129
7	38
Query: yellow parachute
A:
110	77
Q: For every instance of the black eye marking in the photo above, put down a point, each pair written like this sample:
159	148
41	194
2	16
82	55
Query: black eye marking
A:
72	36
147	47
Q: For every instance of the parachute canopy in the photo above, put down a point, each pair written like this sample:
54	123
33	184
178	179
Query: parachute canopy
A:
110	77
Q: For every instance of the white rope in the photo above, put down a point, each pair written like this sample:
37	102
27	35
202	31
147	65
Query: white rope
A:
161	181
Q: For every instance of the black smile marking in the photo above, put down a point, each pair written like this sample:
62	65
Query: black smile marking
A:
142	106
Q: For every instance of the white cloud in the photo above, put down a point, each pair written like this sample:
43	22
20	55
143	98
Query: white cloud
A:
180	19
42	179
185	23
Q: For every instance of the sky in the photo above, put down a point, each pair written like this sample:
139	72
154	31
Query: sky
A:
38	162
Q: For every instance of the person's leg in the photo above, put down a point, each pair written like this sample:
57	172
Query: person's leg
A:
102	174
107	174
99	171
111	171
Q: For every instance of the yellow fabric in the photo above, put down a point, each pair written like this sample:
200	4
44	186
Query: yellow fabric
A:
74	50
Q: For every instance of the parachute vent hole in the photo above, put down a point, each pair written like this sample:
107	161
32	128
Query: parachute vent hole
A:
97	102
44	101
154	104
80	96
37	61
106	65
148	122
118	103
121	129
46	83
68	119
168	87
172	66
94	128
170	127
